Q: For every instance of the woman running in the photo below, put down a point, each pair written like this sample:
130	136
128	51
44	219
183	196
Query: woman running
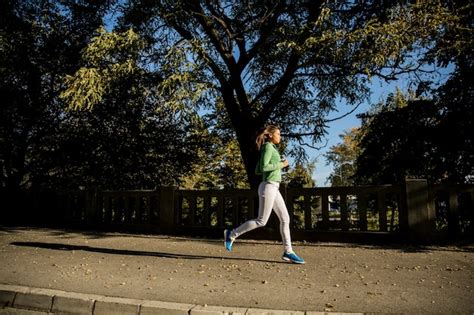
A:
269	166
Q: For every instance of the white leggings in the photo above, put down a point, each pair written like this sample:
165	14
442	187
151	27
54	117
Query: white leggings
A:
269	197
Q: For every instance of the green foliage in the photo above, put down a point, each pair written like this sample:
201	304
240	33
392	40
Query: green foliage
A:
244	64
39	45
284	63
138	147
424	139
182	86
413	136
127	141
410	136
108	57
220	166
300	175
378	43
343	156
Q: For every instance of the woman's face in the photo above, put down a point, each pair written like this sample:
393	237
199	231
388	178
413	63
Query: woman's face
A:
275	137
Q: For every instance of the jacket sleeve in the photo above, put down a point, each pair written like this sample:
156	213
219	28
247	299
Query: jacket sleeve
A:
266	166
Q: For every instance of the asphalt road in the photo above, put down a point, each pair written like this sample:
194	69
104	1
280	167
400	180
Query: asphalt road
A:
337	277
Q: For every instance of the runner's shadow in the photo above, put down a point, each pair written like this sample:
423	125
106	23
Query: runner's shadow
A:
113	251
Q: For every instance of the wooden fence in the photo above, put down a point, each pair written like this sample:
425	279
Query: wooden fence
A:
413	211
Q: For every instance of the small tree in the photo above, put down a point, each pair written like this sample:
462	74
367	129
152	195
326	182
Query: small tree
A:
343	156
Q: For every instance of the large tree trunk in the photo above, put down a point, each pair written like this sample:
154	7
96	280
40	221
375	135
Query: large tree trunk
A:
246	134
246	129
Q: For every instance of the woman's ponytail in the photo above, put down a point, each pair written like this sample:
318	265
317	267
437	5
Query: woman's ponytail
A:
264	135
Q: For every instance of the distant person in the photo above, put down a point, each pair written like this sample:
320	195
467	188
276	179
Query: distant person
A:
269	166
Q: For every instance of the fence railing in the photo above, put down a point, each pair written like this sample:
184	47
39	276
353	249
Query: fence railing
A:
336	208
413	210
454	207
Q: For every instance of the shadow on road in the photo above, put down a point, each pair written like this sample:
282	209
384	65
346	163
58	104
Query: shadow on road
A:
68	247
465	245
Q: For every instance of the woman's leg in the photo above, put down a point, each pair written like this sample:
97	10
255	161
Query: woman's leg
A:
266	197
282	212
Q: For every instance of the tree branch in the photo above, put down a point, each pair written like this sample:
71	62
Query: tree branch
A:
291	68
342	116
267	23
302	143
225	54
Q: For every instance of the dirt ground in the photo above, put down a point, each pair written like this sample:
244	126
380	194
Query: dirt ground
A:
336	277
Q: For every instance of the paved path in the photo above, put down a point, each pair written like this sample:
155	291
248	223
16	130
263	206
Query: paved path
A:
200	274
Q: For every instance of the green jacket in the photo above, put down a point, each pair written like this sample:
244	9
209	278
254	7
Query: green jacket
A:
270	163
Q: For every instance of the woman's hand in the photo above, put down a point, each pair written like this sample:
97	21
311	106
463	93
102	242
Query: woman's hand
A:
285	163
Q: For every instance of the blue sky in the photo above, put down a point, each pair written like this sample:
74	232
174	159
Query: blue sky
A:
380	91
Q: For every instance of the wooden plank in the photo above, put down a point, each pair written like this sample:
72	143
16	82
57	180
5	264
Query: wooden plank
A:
127	209
192	209
137	201
121	208
207	205
325	210
362	208
220	211
235	210
148	213
307	212
290	199
403	210
318	210
179	209
382	208
453	215
107	211
344	215
67	207
251	210
136	209
116	208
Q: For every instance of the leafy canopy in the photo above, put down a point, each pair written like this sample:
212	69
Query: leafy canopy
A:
288	63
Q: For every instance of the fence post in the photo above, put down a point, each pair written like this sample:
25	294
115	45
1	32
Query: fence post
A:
167	208
453	213
91	207
419	216
275	223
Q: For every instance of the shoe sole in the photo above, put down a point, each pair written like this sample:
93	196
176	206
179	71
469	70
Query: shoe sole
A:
293	261
225	241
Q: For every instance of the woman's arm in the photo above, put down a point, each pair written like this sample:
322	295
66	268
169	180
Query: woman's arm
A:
267	155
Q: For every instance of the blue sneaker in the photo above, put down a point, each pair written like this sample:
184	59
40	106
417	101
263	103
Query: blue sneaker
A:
228	240
292	257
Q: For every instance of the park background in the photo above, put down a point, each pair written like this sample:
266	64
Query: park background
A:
115	143
116	96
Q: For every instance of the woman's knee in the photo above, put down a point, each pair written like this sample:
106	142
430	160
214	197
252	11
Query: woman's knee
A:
261	222
285	219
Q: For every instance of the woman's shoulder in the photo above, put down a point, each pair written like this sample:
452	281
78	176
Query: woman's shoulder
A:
268	146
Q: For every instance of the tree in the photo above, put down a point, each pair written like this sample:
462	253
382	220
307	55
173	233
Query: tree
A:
218	166
300	175
126	142
424	138
39	44
343	157
277	61
427	132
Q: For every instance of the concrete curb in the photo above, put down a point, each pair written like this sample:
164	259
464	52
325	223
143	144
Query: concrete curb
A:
16	299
